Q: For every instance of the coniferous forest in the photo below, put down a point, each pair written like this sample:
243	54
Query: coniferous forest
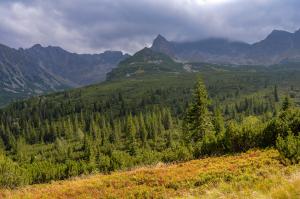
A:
126	123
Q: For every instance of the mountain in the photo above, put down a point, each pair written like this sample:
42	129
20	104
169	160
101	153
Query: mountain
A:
27	72
78	69
213	50
278	46
21	76
145	61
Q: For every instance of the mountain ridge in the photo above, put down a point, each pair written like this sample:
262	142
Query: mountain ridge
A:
277	46
37	70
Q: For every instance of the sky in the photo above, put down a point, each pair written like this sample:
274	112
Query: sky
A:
93	26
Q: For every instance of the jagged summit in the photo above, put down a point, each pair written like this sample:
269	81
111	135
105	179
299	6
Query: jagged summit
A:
277	46
161	44
160	38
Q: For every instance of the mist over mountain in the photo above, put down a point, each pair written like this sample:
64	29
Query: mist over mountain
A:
276	47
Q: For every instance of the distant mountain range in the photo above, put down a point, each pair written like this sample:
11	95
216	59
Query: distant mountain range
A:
27	72
38	70
277	47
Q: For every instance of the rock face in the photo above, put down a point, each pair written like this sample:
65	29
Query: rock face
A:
77	69
27	72
276	47
20	74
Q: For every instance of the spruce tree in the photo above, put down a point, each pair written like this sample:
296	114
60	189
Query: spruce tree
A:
286	103
276	96
219	121
130	135
198	121
168	122
142	131
130	129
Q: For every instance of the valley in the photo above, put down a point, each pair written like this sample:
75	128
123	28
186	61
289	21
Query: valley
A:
155	128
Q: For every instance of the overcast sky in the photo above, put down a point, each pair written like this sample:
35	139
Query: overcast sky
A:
92	26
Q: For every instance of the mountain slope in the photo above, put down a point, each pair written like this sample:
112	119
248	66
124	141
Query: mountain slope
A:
40	69
79	69
21	76
145	61
277	46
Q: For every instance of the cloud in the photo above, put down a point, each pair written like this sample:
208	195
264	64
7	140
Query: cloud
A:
128	25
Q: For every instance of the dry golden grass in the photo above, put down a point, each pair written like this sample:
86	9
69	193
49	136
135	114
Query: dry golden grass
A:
255	174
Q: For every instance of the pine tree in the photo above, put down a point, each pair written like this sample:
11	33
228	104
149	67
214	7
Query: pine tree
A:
286	103
198	121
168	122
130	129
142	131
276	96
169	139
130	135
219	121
116	132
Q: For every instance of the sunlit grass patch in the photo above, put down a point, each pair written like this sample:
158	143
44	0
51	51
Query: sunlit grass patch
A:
255	174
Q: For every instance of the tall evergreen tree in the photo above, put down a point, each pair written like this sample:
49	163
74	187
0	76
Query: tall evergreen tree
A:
286	103
276	95
198	121
142	131
219	121
168	122
130	129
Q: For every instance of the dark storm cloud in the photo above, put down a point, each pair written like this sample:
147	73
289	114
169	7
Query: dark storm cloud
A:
96	25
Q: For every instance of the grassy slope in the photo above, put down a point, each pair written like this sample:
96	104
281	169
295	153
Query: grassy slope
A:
255	174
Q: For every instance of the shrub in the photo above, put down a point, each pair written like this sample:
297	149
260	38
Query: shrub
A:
177	153
120	160
104	163
147	157
11	175
244	136
209	145
289	148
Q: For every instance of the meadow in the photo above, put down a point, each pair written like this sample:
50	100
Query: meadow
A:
254	174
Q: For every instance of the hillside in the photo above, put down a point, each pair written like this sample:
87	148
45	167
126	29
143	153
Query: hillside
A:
146	62
255	174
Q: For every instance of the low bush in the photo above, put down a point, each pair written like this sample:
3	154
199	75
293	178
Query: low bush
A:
289	148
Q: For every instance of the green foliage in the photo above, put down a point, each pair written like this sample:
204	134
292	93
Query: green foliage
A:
11	175
289	148
177	153
136	121
286	103
198	123
208	145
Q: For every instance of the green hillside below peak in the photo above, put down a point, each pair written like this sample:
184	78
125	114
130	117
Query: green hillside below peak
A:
145	61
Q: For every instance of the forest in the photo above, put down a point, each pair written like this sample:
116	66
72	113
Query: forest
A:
91	130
